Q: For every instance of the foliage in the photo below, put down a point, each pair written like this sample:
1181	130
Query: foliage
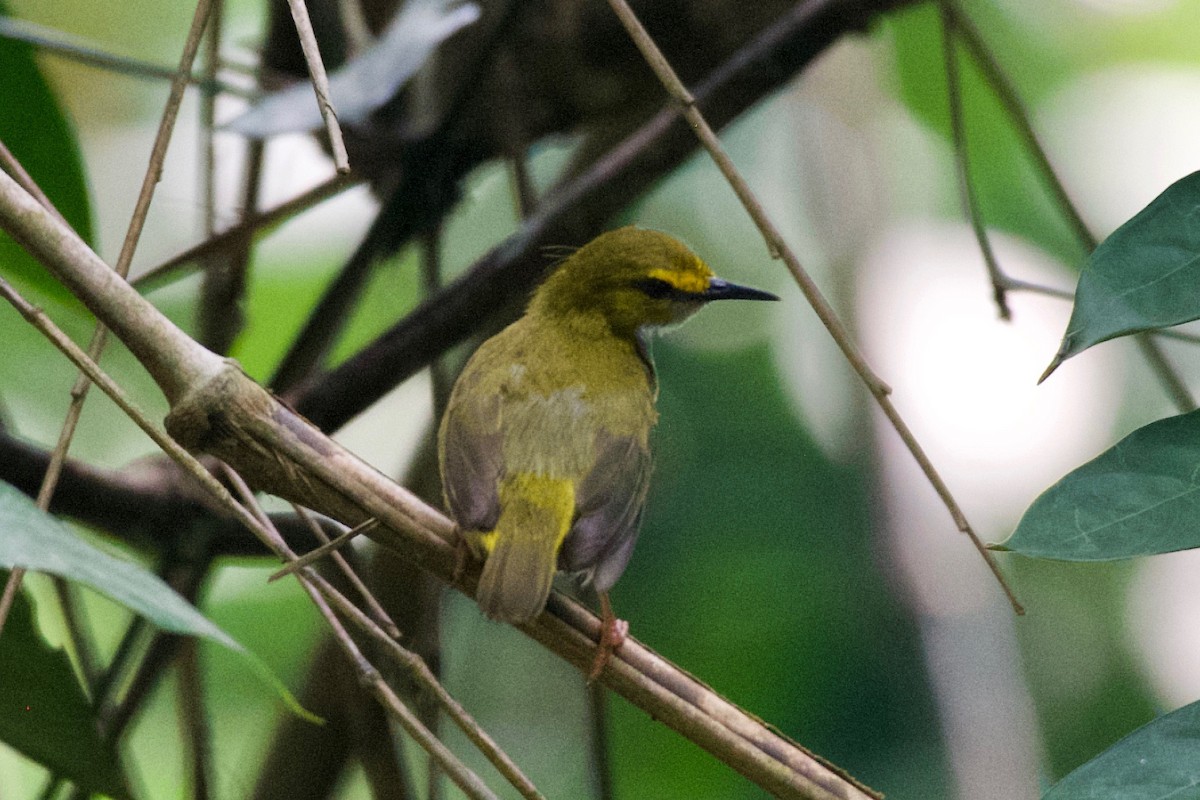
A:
1138	497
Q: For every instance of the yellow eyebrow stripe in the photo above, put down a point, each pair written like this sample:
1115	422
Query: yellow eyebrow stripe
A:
690	282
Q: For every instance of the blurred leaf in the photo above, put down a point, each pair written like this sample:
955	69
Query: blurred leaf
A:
369	80
36	540
1155	762
1145	275
44	713
1010	192
1140	497
38	135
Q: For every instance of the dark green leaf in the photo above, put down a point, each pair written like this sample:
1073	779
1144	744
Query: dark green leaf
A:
37	133
43	711
31	538
1146	275
1160	760
1138	498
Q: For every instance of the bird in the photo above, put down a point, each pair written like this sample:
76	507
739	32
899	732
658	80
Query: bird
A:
544	445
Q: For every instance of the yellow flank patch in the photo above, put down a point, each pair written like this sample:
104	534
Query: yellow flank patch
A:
552	496
692	282
485	541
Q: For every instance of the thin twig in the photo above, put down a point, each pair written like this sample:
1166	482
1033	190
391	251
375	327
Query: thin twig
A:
995	76
56	43
963	162
425	678
81	641
322	593
374	607
208	106
193	718
320	82
1172	384
779	248
100	335
10	164
598	740
1015	109
172	268
328	546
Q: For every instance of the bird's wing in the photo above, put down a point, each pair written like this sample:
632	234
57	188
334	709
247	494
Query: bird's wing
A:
608	504
472	460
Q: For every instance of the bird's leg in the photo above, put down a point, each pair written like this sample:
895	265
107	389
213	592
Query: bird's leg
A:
612	635
462	552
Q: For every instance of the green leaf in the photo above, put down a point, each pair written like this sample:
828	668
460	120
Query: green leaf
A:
43	711
31	538
37	133
1159	760
35	540
1146	275
1140	497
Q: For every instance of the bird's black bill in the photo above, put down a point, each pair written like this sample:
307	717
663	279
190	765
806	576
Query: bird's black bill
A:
724	290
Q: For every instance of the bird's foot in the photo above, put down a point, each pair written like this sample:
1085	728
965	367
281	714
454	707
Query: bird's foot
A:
613	633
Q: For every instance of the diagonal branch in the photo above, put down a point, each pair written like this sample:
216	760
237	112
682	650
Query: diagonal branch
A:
812	293
217	409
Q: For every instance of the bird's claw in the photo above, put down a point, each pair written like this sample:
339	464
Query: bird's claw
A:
613	632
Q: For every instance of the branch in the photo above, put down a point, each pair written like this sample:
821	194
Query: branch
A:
812	293
217	409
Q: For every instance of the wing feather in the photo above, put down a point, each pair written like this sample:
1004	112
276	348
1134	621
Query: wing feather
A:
609	503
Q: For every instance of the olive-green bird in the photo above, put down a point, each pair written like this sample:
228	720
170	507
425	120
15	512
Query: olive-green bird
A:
544	447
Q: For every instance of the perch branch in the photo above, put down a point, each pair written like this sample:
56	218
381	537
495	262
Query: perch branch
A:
217	409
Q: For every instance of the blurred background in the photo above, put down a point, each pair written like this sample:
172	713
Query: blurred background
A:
792	555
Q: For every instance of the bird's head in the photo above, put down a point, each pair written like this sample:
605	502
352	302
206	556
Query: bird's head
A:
635	278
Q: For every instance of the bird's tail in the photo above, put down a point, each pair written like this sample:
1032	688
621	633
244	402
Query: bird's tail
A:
523	549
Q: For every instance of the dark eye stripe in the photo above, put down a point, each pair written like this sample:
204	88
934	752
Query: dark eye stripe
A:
659	289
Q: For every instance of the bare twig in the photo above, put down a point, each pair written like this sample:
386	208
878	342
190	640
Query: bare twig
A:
963	162
193	719
1016	111
428	681
72	48
598	744
10	164
321	594
779	248
956	20
374	608
1173	385
328	547
99	337
320	82
208	106
172	268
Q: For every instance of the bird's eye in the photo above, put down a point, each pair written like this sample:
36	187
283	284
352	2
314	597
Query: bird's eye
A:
655	288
